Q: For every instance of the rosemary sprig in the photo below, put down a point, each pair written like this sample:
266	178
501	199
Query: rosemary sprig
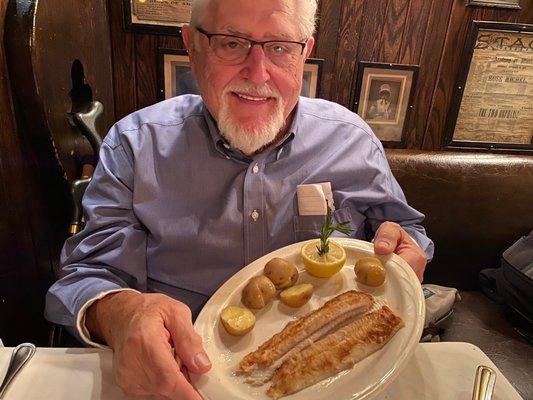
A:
327	229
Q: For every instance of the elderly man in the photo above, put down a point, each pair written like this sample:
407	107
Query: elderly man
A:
192	189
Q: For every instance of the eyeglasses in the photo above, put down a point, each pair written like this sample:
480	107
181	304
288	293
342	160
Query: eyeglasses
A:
234	49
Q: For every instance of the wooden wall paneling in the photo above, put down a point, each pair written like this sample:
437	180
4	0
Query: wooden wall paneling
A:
393	31
416	27
124	55
170	42
456	35
372	26
346	57
372	22
424	47
146	69
499	14
525	15
329	16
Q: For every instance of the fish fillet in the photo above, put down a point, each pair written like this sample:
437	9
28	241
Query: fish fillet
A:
338	351
301	332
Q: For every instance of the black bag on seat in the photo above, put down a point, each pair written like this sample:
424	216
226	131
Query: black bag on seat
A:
511	285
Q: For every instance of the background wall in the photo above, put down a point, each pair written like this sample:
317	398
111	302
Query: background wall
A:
428	33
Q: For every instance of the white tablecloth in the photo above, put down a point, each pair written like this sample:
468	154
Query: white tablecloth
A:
437	371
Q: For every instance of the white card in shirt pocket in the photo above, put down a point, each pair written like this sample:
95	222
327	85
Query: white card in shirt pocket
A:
313	199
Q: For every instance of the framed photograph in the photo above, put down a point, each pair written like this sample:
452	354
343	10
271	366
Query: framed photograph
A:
383	98
312	77
175	75
494	3
492	106
162	17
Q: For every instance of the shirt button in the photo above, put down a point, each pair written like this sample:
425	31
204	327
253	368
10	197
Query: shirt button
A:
255	215
255	169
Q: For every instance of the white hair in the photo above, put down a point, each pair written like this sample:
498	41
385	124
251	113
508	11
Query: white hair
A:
305	13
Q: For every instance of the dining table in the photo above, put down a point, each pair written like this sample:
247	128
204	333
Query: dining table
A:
435	371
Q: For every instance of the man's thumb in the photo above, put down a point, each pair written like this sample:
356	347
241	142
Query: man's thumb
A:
189	348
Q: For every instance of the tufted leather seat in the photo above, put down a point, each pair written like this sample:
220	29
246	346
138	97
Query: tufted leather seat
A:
476	206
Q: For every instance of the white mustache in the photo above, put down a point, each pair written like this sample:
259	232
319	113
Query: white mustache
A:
249	89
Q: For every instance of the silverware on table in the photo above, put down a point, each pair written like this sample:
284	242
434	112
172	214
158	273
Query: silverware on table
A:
20	356
484	383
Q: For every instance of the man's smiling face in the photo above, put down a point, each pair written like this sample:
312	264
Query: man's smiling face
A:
251	100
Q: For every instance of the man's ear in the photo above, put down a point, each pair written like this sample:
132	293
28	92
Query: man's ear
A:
188	40
309	47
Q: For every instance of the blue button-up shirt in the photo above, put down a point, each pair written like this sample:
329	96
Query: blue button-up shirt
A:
172	208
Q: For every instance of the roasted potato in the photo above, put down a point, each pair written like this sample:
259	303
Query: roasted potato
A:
297	296
283	273
237	321
258	292
370	271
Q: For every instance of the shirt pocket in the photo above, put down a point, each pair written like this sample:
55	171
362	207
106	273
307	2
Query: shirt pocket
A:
309	226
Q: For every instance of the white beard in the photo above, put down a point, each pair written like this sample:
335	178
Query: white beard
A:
250	138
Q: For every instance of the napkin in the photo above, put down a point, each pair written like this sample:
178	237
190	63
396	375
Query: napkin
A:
313	199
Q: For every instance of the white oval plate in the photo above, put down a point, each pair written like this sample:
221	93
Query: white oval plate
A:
401	291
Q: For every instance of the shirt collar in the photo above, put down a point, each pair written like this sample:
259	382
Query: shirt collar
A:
224	148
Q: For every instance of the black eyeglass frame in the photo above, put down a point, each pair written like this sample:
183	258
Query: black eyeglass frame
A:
252	42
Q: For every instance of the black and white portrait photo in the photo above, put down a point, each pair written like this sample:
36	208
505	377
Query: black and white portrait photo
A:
383	96
383	100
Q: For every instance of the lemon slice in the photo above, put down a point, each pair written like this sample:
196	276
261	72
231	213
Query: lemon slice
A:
326	265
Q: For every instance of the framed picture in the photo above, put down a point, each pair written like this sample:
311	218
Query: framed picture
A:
495	3
383	96
492	106
312	77
163	17
175	75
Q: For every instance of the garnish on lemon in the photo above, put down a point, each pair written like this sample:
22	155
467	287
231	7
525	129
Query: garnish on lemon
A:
324	258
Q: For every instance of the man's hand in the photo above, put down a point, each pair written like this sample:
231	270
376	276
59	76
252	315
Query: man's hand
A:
390	237
142	329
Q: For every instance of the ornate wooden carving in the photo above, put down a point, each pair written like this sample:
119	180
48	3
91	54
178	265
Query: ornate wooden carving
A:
59	57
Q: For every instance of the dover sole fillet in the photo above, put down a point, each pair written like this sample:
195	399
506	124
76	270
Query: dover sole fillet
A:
311	327
336	352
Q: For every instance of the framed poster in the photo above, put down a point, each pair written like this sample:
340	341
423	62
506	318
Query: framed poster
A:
175	74
163	17
495	3
383	98
312	77
493	101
